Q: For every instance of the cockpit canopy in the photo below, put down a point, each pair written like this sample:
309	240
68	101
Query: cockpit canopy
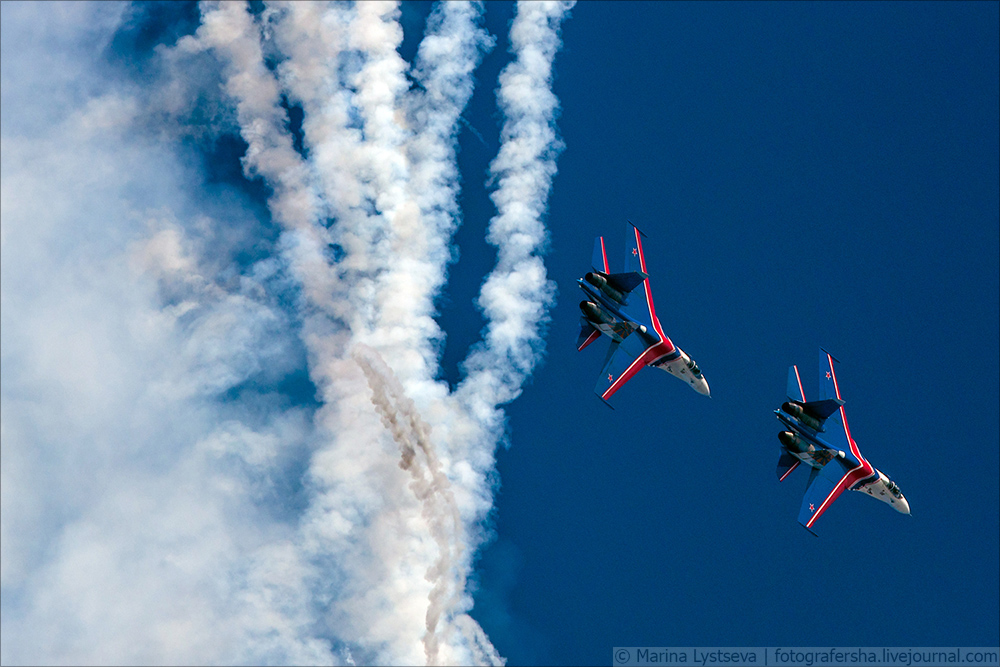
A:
693	367
893	489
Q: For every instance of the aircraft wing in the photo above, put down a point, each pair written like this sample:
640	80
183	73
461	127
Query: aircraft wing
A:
625	359
825	485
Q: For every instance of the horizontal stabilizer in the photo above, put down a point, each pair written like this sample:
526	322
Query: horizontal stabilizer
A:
786	464
588	334
822	409
626	282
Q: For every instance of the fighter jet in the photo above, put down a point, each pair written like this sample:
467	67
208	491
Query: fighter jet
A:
818	436
620	306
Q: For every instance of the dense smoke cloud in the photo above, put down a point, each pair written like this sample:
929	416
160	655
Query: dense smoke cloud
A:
172	490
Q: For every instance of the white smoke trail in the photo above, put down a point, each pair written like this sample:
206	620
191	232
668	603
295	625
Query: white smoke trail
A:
420	235
396	247
378	86
355	441
516	295
407	188
398	485
229	29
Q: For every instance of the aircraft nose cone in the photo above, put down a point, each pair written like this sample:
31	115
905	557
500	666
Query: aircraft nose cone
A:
902	506
701	386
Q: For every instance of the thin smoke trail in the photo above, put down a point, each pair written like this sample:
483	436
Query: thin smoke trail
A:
384	157
450	51
432	487
313	37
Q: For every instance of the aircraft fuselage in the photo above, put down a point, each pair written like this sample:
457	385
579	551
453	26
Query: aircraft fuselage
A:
804	441
604	309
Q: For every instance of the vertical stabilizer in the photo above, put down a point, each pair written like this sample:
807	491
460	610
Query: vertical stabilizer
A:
827	376
794	391
634	261
600	260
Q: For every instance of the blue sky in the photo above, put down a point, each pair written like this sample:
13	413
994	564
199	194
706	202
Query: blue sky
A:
807	174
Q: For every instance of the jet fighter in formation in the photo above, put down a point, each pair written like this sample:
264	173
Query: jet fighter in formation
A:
818	436
620	306
637	338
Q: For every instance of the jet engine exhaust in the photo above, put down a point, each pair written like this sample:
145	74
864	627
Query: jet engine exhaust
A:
794	443
601	283
795	410
595	314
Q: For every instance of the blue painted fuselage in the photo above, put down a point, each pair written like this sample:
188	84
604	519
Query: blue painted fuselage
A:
621	322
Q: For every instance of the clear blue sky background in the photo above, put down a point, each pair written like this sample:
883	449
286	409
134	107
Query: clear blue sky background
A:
807	174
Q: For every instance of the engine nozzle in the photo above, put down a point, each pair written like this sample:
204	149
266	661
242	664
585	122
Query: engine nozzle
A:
794	443
594	313
601	283
796	410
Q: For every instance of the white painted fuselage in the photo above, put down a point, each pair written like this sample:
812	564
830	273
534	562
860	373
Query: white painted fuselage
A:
885	489
684	368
